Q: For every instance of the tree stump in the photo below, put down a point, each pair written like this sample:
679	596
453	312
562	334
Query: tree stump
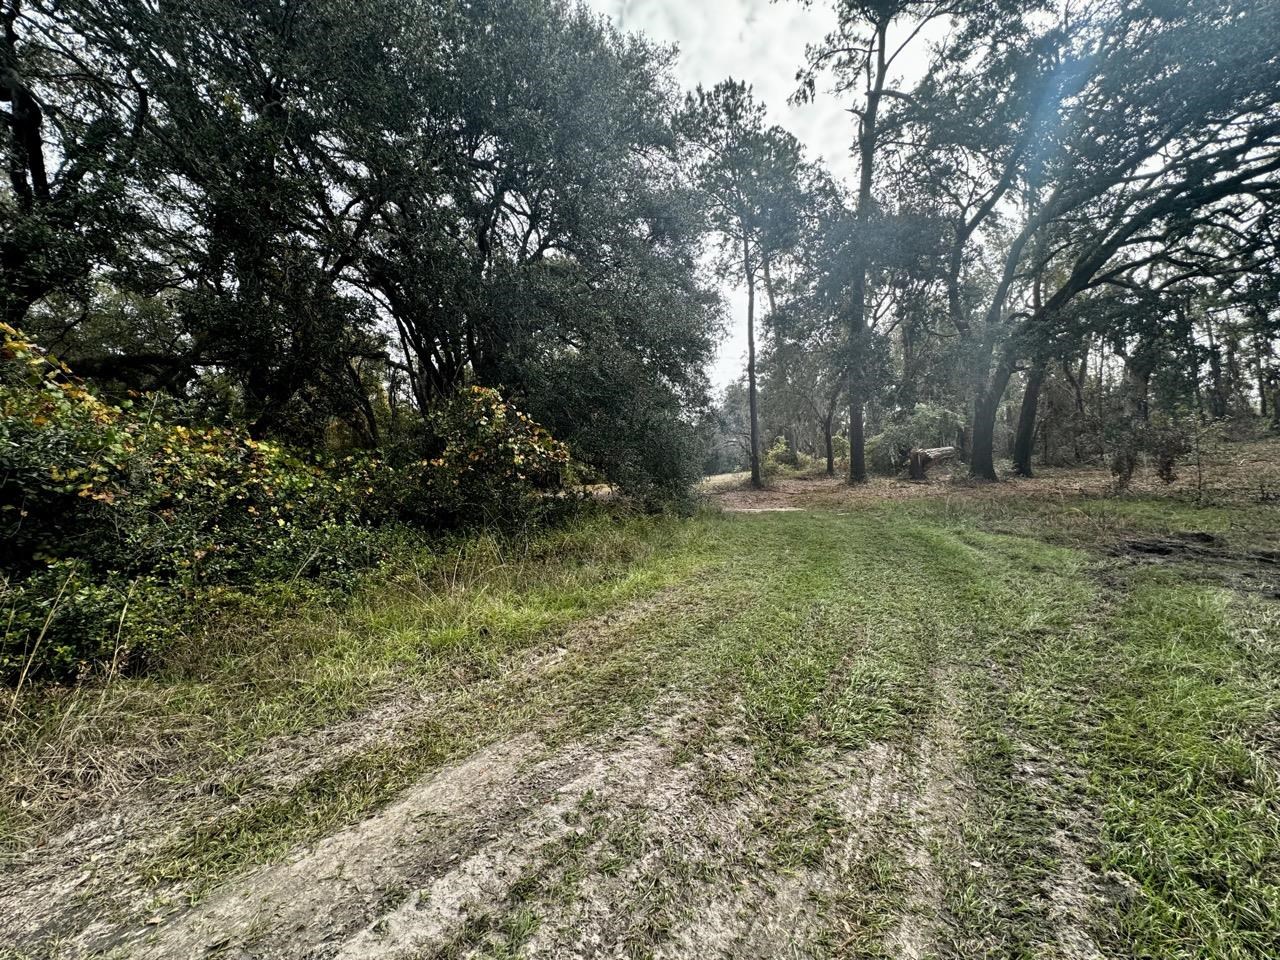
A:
922	459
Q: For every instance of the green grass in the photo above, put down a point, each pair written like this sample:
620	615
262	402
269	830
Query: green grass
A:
1138	726
1191	795
443	620
1114	725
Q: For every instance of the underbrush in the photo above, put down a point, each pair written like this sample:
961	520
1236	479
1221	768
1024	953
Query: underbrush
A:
126	524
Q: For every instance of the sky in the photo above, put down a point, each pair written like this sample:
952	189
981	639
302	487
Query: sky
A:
762	43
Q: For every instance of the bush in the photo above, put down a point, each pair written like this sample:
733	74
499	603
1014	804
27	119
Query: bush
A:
494	462
776	456
101	502
882	456
1124	462
1162	442
780	454
62	619
840	447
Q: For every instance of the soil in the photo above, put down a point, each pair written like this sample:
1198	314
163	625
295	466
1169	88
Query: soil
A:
1207	557
657	836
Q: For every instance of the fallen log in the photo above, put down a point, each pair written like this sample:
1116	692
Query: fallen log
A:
922	459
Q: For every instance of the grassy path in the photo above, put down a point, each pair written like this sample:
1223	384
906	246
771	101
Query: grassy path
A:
930	729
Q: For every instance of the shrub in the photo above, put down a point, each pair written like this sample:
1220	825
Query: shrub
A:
1163	442
102	502
59	447
840	446
882	456
494	462
777	455
1124	462
62	619
780	454
1167	443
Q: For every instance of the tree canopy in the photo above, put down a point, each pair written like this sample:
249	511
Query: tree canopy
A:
313	211
321	219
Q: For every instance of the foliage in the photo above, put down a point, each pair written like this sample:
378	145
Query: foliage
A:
1167	443
495	463
925	426
63	618
622	426
840	446
499	179
1124	462
780	454
112	500
1162	442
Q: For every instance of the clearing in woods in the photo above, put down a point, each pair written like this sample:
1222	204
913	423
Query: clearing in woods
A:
940	721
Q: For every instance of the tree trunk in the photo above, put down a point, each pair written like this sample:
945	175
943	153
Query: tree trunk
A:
1079	382
1101	396
982	465
367	423
1137	387
1193	352
831	450
1025	435
867	137
857	439
29	259
1262	376
768	283
1233	383
756	479
982	457
1024	442
1217	400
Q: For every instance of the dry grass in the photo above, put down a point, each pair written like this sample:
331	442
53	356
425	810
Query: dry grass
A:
1239	473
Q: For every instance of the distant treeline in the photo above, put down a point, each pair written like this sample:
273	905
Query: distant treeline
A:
1062	238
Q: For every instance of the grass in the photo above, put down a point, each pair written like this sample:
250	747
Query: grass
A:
1133	734
1107	730
442	618
1191	797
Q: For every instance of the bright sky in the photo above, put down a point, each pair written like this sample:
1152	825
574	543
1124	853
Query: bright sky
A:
762	43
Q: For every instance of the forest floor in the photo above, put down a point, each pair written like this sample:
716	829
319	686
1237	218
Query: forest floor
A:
942	720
